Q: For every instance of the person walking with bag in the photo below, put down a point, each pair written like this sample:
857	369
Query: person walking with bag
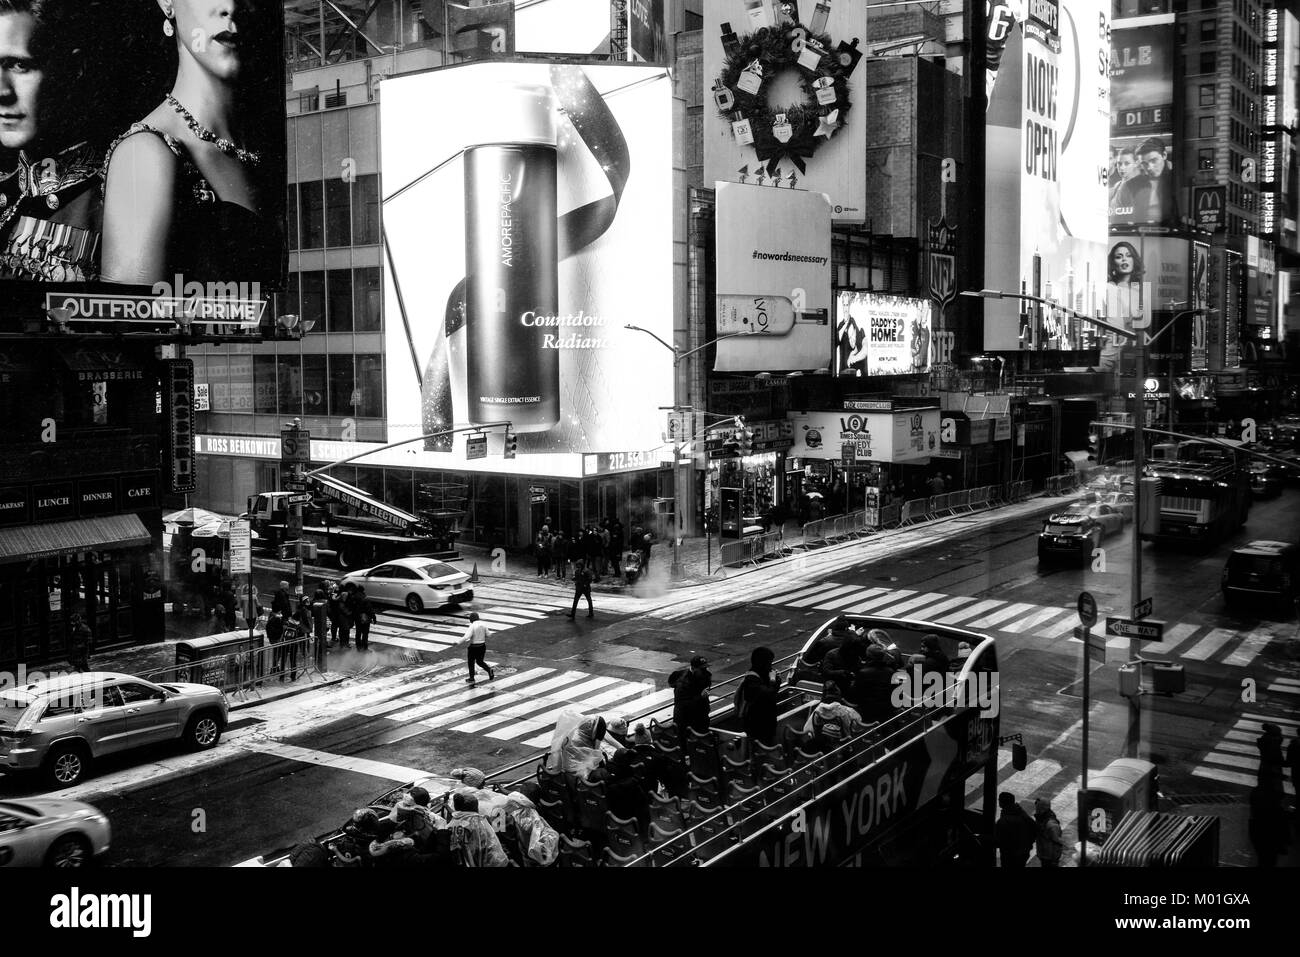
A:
581	587
477	635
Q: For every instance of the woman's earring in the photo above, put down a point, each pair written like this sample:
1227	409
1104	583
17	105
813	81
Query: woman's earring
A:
168	29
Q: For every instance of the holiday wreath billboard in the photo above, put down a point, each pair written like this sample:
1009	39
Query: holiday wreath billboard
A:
786	99
523	233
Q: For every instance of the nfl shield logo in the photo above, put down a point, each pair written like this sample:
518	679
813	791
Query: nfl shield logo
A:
943	262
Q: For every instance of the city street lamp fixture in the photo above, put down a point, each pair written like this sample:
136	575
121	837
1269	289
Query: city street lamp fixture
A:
1051	304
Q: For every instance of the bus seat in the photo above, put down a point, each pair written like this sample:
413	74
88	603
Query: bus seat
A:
660	836
552	784
623	835
558	814
590	800
735	747
738	791
663	735
666	812
706	788
574	853
614	859
738	770
702	753
765	754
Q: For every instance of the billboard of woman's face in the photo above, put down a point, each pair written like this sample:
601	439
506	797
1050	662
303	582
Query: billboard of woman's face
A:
141	140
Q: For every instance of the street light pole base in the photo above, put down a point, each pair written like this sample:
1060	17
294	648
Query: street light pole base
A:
675	571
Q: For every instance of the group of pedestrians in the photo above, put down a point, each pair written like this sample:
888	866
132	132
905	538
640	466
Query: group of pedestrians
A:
1270	832
599	546
1017	834
347	607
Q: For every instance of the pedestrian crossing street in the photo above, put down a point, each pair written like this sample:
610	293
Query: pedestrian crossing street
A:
511	604
521	707
1235	758
1182	640
1040	778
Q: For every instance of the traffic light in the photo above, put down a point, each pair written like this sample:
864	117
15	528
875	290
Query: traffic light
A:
746	439
511	442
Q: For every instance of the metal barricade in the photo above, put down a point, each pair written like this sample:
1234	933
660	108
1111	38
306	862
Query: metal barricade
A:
961	501
1024	490
735	553
891	516
914	511
814	531
979	497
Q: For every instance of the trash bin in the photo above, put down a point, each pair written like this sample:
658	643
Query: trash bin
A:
1126	784
208	659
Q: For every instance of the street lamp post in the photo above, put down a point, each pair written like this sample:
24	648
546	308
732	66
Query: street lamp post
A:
678	491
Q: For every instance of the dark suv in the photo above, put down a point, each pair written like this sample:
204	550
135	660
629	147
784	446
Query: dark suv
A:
1262	572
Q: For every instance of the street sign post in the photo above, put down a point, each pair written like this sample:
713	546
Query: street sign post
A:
294	486
1136	630
849	454
476	447
241	546
299	499
295	446
1142	609
1087	609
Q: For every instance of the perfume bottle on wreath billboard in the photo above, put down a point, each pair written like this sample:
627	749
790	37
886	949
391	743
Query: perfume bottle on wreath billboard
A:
512	264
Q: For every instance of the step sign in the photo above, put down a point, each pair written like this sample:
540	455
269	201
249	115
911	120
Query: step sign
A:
241	541
1141	630
1095	645
1142	609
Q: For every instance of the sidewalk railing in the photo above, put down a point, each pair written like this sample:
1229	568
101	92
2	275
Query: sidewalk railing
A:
752	550
240	672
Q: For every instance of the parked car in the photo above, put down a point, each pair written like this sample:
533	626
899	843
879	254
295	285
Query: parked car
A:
51	833
1266	479
415	583
1078	530
61	726
1262	572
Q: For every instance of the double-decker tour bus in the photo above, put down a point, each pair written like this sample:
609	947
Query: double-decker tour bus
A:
1202	494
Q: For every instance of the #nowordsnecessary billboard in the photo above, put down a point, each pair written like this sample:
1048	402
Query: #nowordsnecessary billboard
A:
1144	181
786	98
524	230
1046	153
882	335
142	145
774	279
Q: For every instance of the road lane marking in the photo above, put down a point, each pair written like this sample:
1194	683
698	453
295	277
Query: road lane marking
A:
976	609
1173	638
821	596
476	692
850	599
896	611
988	621
1249	649
863	607
340	762
1033	621
1208	645
445	688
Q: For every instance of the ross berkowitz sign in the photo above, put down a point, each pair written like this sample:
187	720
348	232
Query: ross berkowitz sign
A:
846	817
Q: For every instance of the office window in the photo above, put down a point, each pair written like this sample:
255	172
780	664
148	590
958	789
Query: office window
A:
1209	30
337	229
339	284
366	299
342	387
365	210
241	383
311	214
219	382
289	379
313	298
264	391
313	385
1209	62
1205	159
370	386
1207	94
1207	127
289	302
291	214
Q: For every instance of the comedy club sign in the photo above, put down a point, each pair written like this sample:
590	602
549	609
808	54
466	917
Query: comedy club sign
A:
899	436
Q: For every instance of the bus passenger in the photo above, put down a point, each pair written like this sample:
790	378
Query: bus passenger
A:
841	664
832	722
755	699
873	686
931	657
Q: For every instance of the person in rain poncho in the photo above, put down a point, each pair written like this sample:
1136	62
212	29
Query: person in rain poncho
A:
473	835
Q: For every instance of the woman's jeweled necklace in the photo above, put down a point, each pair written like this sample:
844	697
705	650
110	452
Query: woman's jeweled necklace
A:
206	135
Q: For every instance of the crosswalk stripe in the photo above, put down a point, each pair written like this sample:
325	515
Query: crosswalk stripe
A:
435	703
444	687
599	701
1208	645
976	609
509	620
953	602
1065	805
855	597
977	780
545	722
1058	628
799	591
864	606
496	699
1236	747
500	699
1247	651
1236	777
1232	760
897	611
1002	614
517	710
1258	719
1285	686
821	596
1025	783
376	769
411	644
1032	621
385	688
635	706
568	698
1173	638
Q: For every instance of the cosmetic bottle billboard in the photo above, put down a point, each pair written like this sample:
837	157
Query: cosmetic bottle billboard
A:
784	98
774	279
576	27
104	101
1047	130
882	335
524	229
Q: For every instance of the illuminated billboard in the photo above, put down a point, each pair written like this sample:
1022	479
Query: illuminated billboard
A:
882	335
774	279
143	147
1144	179
576	27
787	93
525	229
1046	153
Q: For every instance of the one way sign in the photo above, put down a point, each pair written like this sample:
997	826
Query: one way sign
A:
1141	630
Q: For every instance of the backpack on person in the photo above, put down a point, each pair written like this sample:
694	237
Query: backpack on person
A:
740	701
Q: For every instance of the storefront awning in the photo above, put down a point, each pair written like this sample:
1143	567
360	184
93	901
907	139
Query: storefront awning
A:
28	542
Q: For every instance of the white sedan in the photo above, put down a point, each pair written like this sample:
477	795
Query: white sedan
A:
36	832
415	583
